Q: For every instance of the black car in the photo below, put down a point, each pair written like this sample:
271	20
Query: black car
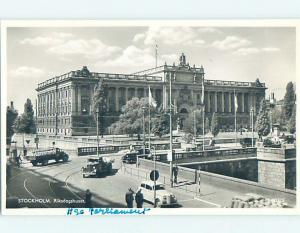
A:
130	158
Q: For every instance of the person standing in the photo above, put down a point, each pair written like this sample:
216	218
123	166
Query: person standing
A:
139	199
88	199
129	198
175	173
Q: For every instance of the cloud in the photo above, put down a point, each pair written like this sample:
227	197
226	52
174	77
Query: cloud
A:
138	37
250	51
27	71
247	51
170	36
209	30
54	38
270	49
230	42
92	48
132	56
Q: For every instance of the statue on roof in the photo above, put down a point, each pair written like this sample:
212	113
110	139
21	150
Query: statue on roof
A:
182	60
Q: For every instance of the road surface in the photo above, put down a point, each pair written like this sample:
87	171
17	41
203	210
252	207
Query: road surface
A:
61	185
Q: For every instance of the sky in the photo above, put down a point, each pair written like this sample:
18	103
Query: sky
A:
226	53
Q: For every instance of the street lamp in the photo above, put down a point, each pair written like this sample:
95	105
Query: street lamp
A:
97	126
171	132
252	124
154	181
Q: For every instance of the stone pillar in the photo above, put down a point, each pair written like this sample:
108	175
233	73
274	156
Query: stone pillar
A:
243	101
222	102
79	100
229	102
208	101
135	92
216	101
117	99
126	94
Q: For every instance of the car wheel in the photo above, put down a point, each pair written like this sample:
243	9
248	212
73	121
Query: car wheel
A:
45	162
157	203
65	158
34	163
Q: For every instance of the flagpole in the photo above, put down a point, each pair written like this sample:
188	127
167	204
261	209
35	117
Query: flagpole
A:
235	110
203	115
149	125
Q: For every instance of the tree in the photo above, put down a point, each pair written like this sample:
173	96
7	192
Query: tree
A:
292	122
262	124
131	119
289	101
11	116
161	123
26	122
193	119
100	105
215	126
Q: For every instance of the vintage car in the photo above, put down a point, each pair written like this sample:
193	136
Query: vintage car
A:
44	155
130	158
163	197
97	167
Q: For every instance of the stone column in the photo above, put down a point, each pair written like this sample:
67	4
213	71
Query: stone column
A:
135	92
208	101
222	102
79	100
229	102
243	102
126	94
117	99
216	101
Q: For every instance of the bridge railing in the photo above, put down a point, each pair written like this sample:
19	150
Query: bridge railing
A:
207	153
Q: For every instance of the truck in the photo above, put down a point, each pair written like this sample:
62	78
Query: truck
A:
43	156
97	167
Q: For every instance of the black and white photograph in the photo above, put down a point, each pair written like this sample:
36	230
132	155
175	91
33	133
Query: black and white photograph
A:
149	117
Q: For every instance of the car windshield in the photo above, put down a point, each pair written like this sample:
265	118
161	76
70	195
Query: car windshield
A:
159	187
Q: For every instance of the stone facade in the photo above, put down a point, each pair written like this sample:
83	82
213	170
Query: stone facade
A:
65	102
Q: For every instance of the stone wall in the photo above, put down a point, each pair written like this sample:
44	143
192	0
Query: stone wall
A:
277	167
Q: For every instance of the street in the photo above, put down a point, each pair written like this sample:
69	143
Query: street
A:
61	185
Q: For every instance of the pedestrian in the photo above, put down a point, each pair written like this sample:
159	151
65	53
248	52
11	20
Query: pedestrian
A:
88	199
139	199
175	173
18	160
129	198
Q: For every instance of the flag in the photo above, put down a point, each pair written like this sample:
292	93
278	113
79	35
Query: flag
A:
152	102
235	103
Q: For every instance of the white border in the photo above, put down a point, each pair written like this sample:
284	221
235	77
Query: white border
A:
126	23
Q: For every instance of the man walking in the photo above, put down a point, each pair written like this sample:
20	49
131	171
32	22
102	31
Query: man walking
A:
129	198
139	199
175	173
88	198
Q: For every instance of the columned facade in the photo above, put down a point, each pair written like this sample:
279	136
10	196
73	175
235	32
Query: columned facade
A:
65	102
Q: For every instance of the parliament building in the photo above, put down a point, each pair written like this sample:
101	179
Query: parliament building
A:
65	102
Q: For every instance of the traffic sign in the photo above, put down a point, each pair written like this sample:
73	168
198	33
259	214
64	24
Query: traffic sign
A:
154	175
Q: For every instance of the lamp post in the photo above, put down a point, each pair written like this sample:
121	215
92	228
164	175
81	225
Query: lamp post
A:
171	131
252	124
97	126
144	140
195	129
154	182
